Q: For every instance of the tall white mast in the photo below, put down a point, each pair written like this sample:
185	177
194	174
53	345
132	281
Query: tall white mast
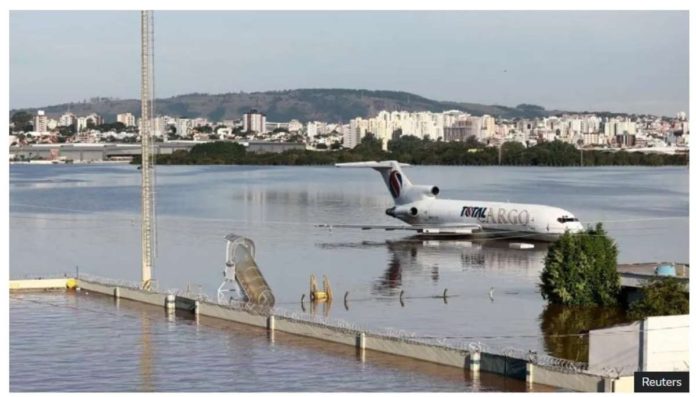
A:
146	97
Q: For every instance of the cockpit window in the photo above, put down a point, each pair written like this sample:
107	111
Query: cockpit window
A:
566	218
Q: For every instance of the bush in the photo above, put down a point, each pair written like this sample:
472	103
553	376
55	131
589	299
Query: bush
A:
580	269
664	296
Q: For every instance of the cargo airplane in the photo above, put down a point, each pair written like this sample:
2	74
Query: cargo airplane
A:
419	207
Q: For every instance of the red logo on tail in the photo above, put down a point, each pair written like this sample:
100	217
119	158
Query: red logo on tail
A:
395	183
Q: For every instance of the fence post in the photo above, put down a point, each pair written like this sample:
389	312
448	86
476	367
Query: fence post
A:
170	303
475	362
362	341
530	373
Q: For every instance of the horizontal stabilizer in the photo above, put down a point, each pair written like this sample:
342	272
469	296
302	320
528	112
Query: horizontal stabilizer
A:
372	164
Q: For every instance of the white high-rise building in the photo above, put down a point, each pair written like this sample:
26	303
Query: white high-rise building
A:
355	132
200	122
184	127
254	122
294	126
67	119
94	119
126	118
40	122
160	125
312	129
81	124
351	137
613	127
487	127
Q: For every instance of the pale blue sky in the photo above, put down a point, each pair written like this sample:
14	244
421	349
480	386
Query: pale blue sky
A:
620	61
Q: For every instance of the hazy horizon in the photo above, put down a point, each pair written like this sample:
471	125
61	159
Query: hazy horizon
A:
618	61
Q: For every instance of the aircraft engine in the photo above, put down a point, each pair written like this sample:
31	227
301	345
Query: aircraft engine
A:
425	190
403	211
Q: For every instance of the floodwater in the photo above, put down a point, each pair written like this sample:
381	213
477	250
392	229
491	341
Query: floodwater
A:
87	216
70	342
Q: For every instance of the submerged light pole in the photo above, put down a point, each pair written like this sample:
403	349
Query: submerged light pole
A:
146	98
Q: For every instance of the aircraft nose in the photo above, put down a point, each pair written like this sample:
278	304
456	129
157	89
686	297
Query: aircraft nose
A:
575	227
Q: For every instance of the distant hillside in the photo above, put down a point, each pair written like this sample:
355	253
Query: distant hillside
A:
333	105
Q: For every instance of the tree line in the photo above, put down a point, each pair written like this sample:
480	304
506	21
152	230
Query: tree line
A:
413	150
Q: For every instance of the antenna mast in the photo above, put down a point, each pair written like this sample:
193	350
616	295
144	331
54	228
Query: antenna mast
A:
146	97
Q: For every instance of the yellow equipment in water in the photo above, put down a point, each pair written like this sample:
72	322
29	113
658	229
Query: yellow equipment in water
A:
71	283
315	295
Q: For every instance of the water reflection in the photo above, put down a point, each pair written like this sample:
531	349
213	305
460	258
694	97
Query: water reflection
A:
432	257
566	328
146	383
314	307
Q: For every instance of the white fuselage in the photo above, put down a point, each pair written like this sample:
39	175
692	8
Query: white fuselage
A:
494	218
419	206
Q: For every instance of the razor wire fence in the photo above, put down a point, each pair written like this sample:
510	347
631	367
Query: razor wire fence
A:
460	343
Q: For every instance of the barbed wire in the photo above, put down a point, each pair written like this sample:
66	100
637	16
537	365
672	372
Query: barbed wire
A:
121	283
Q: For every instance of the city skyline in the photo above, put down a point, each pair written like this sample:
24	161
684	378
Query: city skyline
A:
565	60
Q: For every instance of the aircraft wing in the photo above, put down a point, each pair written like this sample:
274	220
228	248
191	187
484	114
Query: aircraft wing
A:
425	229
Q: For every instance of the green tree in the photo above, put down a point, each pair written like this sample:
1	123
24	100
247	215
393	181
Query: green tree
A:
473	142
413	150
513	153
206	129
580	269
23	121
664	296
67	130
370	148
115	126
217	152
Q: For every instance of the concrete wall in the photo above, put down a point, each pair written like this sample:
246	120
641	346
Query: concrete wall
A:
508	366
419	351
48	283
225	313
655	344
137	295
460	358
615	347
571	381
667	343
